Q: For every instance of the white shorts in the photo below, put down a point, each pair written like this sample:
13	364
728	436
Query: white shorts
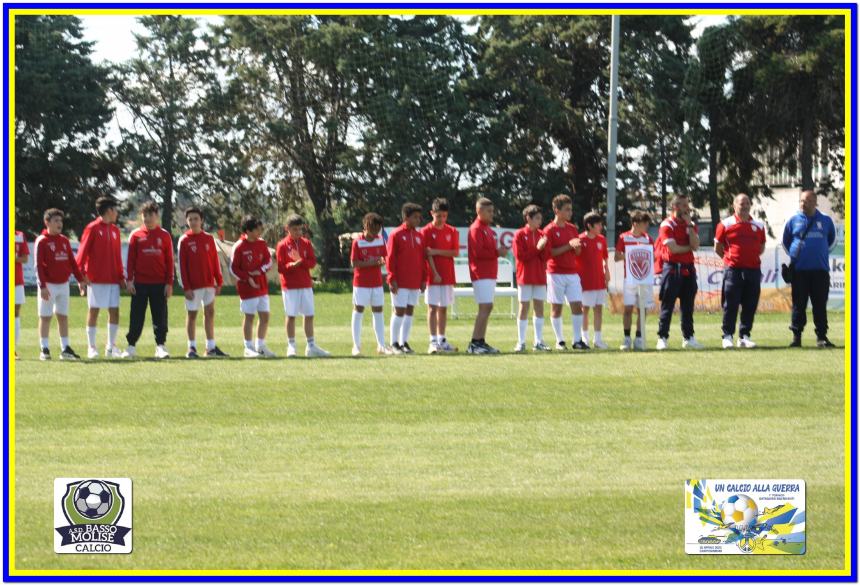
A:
592	298
439	295
254	305
405	297
19	294
367	296
103	296
203	297
531	292
485	291
561	288
631	296
298	301
58	303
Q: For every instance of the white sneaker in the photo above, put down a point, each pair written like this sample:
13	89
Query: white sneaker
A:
265	352
599	344
291	351
746	342
250	353
447	347
639	344
384	350
316	351
433	348
161	352
662	343
691	343
113	352
92	353
627	345
728	343
519	348
129	353
356	350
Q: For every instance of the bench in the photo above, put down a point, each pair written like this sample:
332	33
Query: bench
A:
505	283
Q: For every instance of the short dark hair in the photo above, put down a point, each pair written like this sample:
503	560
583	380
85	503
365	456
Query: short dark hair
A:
530	211
640	217
677	199
250	223
560	201
484	202
439	204
410	208
105	204
295	219
591	218
372	220
149	207
52	213
192	210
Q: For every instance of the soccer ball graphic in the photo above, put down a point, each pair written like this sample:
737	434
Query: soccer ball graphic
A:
93	499
739	512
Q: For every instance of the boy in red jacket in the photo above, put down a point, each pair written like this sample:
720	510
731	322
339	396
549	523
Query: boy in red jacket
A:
295	257
99	258
484	254
594	272
250	259
367	258
442	246
563	283
150	280
531	254
200	271
407	274
55	262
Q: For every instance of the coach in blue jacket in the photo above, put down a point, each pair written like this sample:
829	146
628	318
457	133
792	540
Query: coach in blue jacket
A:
811	255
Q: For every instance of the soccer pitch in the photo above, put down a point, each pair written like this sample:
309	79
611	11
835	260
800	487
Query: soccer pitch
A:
554	461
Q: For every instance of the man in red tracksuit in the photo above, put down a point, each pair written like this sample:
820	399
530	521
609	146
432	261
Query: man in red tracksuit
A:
150	279
407	274
484	254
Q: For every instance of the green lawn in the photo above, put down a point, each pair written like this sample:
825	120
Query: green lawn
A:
425	462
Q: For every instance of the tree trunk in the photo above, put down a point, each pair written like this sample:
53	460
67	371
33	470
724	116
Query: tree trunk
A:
663	187
807	139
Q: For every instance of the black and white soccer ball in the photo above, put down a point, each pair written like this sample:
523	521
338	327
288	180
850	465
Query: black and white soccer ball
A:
93	499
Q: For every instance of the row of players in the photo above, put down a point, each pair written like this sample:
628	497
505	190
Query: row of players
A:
553	263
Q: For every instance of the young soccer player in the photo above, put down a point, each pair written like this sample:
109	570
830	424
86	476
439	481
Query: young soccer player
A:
150	280
22	256
99	258
443	245
484	253
637	235
200	271
563	282
367	257
407	275
594	271
531	254
250	259
55	262
295	257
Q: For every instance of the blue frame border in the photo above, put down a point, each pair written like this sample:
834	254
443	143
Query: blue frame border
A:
852	138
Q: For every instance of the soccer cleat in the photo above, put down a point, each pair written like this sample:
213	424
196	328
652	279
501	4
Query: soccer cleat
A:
265	352
447	347
113	352
69	354
638	344
92	353
45	354
561	346
519	348
627	345
250	353
746	342
316	351
161	352
291	351
540	346
691	343
396	349
384	350
600	345
728	343
662	343
796	341
823	343
476	348
489	348
580	345
192	354
433	348
130	352
406	349
215	352
356	350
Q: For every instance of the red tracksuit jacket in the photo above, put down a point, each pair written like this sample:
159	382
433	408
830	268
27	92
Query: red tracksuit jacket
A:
150	256
100	253
55	261
199	266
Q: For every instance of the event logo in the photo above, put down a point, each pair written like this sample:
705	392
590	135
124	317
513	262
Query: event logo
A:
640	264
92	515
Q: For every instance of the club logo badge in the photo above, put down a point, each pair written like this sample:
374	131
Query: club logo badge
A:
92	515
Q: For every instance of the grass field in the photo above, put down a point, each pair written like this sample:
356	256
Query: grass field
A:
425	462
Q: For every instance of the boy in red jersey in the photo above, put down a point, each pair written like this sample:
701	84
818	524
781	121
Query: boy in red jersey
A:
295	257
250	259
22	256
55	262
99	258
407	275
531	254
150	279
443	245
200	271
563	282
484	254
636	236
367	258
594	272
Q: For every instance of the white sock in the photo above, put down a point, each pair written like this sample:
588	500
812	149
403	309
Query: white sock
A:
17	330
91	336
192	344
584	335
356	328
521	330
260	344
311	342
210	344
291	341
598	337
396	323
537	322
435	339
249	344
379	328
64	342
577	328
43	341
405	328
557	328
113	329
